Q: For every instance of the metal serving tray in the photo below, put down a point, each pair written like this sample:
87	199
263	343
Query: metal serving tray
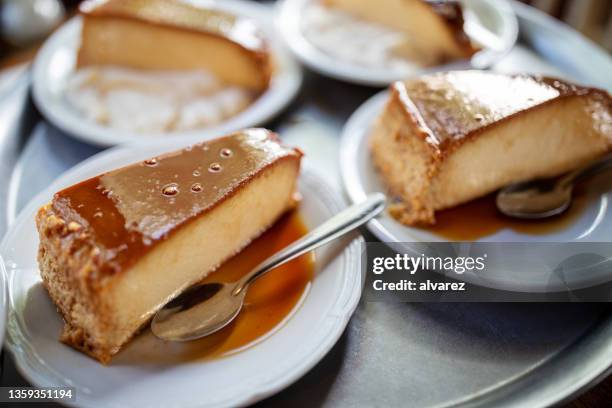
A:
392	354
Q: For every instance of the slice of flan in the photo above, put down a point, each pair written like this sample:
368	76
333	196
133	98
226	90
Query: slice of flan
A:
448	138
117	247
174	35
434	28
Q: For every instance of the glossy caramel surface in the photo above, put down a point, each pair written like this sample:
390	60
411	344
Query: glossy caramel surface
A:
448	107
176	13
269	301
128	210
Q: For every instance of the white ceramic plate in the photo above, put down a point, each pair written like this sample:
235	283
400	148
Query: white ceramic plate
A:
3	299
592	225
55	64
240	379
491	23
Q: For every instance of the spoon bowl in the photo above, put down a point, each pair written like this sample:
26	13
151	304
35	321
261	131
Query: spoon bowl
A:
545	198
199	311
534	201
206	308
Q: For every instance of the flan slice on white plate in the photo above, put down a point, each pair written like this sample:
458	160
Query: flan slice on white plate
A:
174	35
448	138
117	247
434	28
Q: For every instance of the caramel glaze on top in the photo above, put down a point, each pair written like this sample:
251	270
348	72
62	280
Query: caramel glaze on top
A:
452	14
451	107
176	13
127	211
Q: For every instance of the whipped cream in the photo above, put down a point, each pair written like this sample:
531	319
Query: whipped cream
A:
354	40
154	101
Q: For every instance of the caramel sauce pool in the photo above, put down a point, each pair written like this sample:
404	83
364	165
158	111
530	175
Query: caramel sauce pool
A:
480	218
269	300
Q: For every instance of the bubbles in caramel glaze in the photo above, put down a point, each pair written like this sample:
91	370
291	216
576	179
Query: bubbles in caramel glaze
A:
196	187
226	153
215	168
170	190
151	162
158	201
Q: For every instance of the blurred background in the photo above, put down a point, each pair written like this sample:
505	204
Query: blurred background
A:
593	18
25	23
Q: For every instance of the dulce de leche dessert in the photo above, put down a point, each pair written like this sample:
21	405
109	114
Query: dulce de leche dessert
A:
117	247
174	35
448	138
434	28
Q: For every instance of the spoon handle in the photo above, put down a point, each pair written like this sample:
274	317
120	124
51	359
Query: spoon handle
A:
338	225
587	171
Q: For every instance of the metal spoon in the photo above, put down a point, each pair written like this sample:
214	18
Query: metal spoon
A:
205	308
544	198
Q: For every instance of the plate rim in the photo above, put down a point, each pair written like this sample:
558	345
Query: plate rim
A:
4	302
272	102
338	315
348	151
324	64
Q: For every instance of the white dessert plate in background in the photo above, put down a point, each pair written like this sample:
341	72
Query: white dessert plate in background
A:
593	224
55	65
490	23
270	365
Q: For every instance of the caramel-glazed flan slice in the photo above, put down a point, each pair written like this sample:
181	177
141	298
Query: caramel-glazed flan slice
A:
448	138
115	248
173	35
434	27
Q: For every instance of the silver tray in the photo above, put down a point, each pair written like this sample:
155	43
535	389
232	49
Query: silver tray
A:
392	354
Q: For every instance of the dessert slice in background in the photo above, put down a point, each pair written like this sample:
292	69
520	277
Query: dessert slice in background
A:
434	28
173	35
448	138
117	247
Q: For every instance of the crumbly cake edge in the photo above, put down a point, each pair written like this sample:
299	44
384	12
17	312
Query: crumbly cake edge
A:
67	259
413	208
